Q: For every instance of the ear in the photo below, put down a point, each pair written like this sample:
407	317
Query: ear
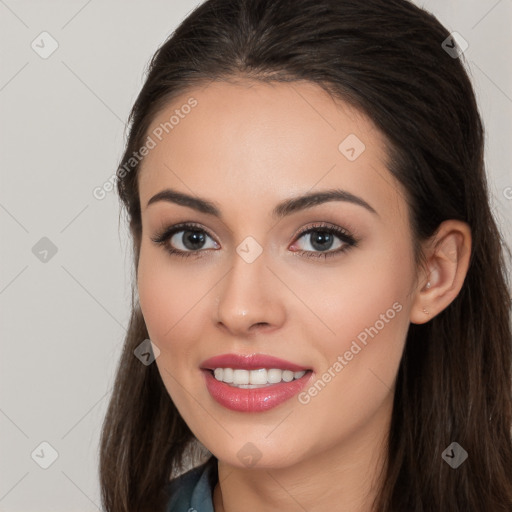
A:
447	256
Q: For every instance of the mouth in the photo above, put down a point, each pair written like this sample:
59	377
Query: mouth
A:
254	398
253	383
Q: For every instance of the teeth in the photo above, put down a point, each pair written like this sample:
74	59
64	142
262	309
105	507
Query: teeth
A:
226	375
255	378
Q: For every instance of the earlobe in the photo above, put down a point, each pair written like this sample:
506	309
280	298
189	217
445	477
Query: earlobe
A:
447	257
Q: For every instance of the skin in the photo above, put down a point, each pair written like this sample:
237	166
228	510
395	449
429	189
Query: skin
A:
247	146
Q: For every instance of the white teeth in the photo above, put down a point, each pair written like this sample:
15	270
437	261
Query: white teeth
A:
227	374
287	376
255	378
274	376
258	376
240	377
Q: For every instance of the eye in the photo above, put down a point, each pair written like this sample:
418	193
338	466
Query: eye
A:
321	237
184	239
188	239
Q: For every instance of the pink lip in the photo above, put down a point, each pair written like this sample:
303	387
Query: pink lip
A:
256	399
249	362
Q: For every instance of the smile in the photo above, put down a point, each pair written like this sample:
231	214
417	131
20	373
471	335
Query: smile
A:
250	379
254	397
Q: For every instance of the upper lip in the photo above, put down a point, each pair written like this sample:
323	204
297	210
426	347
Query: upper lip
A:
249	362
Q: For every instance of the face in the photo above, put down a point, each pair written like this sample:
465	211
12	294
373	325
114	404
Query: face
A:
323	285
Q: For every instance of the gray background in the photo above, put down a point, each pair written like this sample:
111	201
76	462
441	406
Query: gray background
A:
62	132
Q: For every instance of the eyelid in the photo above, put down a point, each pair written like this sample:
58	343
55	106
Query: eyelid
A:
326	225
170	230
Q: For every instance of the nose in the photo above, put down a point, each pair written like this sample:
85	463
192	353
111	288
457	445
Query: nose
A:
250	298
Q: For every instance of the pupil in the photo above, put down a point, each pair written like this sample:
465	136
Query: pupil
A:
194	238
321	238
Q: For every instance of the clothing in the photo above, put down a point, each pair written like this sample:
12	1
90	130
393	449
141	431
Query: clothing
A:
191	491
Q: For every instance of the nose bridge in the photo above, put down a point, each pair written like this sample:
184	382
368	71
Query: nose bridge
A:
247	297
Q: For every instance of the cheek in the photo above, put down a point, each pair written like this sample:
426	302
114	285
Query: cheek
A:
156	305
366	306
171	300
369	289
162	296
368	311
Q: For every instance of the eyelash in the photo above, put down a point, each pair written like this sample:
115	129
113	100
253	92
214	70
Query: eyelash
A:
342	234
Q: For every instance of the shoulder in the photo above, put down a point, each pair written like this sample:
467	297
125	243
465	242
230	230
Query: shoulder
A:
191	491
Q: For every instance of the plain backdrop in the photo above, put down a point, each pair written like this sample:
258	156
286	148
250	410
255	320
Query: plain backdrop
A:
66	265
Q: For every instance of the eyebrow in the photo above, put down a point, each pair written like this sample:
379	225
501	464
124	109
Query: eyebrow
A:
283	209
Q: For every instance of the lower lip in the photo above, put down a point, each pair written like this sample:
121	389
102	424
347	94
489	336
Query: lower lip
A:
256	399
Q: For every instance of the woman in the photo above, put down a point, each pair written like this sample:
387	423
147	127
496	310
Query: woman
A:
317	268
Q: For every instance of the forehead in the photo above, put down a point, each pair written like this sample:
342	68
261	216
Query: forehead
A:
262	140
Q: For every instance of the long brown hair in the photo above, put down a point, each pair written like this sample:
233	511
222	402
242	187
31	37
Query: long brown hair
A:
454	383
